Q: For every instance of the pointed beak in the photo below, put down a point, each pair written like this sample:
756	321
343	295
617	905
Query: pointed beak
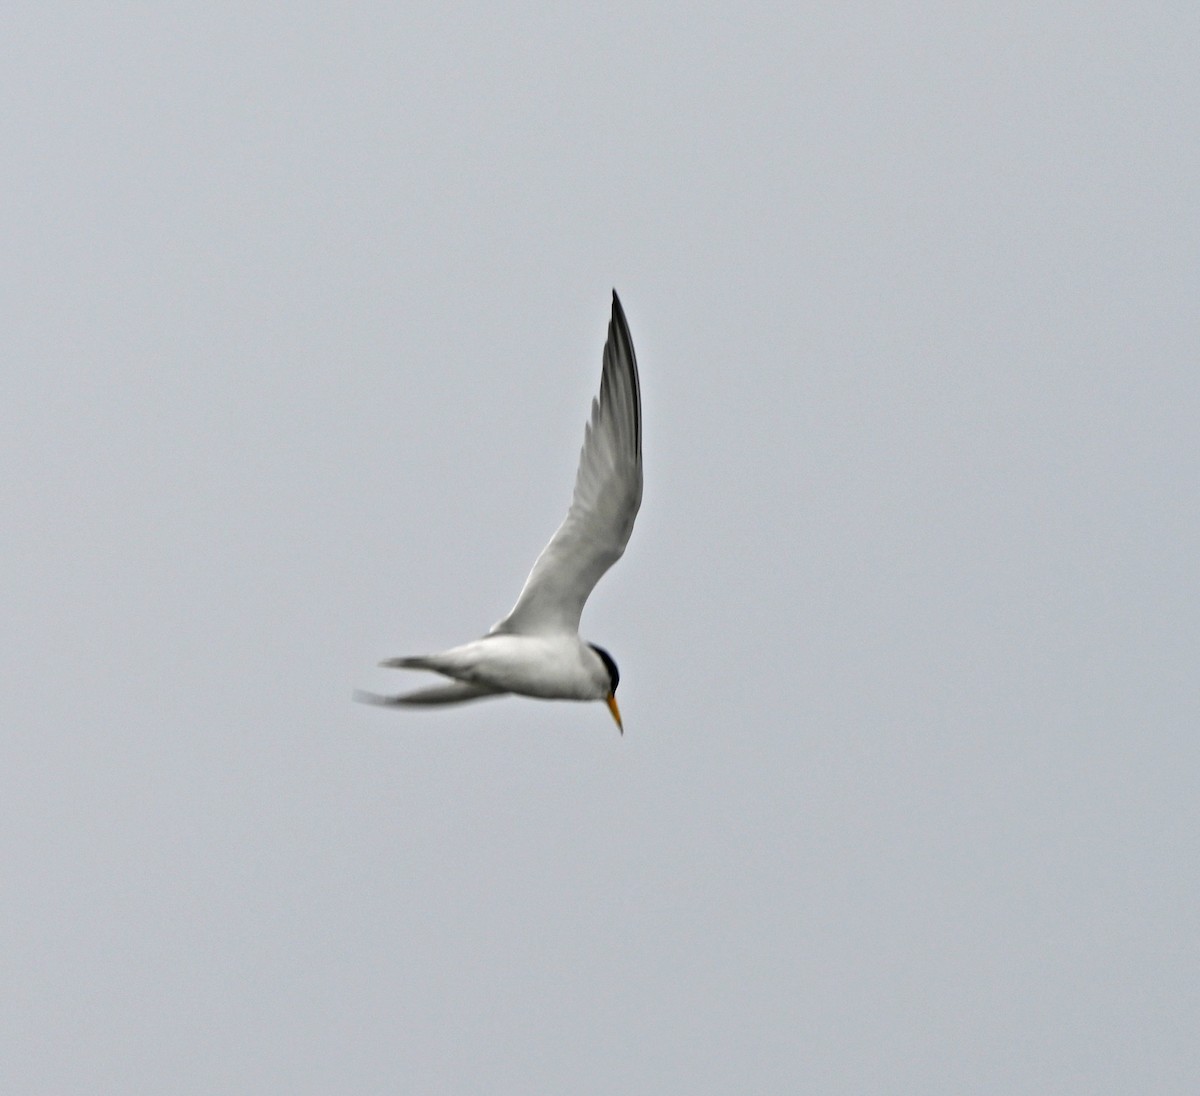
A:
611	701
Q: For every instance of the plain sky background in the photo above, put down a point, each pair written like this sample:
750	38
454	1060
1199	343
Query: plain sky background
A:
303	308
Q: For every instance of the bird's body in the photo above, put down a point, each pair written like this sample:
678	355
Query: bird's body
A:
536	650
554	667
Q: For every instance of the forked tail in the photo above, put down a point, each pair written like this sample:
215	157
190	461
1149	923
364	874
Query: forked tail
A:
457	692
417	662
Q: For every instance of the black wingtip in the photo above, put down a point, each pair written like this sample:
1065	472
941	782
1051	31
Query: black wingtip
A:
619	328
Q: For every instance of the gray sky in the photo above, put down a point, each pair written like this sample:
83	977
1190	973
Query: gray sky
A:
303	312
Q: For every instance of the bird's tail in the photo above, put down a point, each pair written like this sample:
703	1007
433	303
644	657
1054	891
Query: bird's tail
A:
458	692
418	662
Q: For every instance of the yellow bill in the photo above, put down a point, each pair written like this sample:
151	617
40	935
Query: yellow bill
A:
611	701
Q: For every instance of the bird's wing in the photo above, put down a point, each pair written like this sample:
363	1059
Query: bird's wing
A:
608	492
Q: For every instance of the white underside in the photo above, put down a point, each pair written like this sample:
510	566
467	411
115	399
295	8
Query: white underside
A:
553	667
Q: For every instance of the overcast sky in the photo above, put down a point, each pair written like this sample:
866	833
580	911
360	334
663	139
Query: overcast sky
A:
303	311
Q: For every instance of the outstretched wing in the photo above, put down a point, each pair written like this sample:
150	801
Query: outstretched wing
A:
608	492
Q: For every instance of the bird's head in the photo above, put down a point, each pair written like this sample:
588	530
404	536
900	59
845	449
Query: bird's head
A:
614	677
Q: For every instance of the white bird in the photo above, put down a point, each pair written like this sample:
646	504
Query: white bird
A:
536	650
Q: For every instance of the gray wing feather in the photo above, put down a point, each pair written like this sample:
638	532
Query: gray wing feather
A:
608	492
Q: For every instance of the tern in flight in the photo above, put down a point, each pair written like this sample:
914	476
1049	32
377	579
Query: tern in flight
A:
536	650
